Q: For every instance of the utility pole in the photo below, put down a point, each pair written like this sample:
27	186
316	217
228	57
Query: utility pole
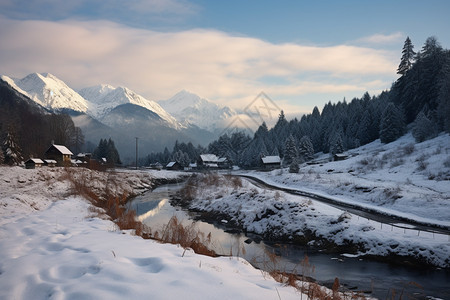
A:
136	152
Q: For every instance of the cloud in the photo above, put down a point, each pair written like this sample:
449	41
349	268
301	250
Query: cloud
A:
382	39
138	12
214	64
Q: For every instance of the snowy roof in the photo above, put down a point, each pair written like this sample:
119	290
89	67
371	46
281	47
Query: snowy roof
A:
171	164
271	159
222	159
193	165
36	160
210	165
50	161
63	149
208	157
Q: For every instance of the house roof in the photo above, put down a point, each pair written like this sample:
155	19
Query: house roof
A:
222	160
50	161
208	158
62	149
171	164
35	160
271	159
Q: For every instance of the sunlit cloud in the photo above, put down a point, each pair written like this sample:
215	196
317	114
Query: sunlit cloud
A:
213	64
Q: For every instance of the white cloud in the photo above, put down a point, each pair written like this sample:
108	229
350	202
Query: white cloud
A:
213	64
378	39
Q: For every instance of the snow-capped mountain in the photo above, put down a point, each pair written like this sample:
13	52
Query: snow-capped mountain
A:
48	91
104	98
189	108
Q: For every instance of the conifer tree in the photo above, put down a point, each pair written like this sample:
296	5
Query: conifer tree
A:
423	128
407	57
305	149
392	125
11	150
290	151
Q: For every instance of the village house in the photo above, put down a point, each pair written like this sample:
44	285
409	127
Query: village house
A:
174	166
60	154
208	161
223	163
33	163
271	162
50	162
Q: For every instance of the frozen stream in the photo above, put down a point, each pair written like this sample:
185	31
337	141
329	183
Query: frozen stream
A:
154	210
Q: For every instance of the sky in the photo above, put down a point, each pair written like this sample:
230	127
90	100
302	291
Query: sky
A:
301	54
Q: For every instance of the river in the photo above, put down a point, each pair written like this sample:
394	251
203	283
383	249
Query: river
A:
356	274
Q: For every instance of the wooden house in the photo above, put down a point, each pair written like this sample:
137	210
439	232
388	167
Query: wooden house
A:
173	165
33	163
271	162
50	162
223	163
60	153
208	161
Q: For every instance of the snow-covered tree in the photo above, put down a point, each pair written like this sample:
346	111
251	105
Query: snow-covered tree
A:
305	149
423	128
336	144
11	150
293	167
290	151
408	55
392	125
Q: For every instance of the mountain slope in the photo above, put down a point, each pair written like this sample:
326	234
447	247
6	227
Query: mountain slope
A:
189	108
105	98
48	91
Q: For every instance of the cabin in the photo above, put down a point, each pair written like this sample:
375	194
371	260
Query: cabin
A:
33	163
174	166
271	162
223	163
60	153
208	161
156	166
50	163
83	159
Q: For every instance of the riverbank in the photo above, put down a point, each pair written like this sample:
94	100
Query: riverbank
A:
278	216
54	245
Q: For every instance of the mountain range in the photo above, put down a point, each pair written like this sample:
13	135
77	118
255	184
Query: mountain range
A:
104	111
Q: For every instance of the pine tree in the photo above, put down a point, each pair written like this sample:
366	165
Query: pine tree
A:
407	57
423	128
112	155
305	149
336	144
290	151
293	167
392	125
11	150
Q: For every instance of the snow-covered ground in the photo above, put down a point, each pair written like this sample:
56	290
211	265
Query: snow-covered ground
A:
400	178
53	247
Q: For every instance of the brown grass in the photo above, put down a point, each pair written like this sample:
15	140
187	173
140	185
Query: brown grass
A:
108	203
186	236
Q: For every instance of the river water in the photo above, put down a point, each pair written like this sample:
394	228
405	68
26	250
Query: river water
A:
378	278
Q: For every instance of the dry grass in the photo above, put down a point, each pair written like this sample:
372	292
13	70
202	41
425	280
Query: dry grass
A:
186	236
108	204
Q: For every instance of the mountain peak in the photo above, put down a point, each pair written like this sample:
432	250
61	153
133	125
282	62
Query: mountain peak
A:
190	108
49	91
